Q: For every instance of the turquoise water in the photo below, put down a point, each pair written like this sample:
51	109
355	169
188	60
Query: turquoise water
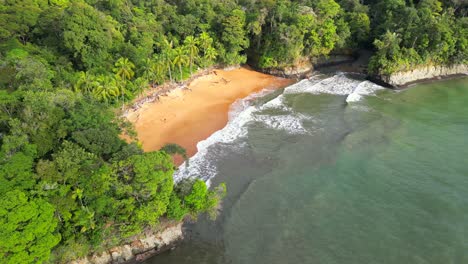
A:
317	179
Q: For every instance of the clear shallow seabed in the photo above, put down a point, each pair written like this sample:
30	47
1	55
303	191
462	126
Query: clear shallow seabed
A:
337	170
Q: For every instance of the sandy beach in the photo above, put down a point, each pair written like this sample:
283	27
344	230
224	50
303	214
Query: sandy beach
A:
187	116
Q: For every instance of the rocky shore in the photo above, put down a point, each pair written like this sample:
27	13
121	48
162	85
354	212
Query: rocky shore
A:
304	67
404	78
148	244
357	63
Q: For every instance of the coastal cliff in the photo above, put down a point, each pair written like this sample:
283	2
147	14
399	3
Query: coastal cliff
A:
304	68
148	244
403	78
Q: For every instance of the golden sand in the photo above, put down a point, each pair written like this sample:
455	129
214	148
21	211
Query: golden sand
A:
187	116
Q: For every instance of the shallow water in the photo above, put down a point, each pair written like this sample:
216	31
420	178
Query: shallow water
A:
316	174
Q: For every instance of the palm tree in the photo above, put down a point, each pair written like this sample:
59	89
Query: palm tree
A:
205	40
210	54
180	58
167	55
124	70
147	70
191	45
159	67
106	89
140	84
85	82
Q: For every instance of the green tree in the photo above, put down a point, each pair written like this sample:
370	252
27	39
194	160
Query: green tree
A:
359	24
210	55
159	68
148	70
200	199
180	59
85	83
89	34
167	55
234	37
190	44
205	41
106	88
124	69
145	185
18	18
27	229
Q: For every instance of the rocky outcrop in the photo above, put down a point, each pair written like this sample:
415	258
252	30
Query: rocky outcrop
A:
303	67
324	61
147	245
403	78
300	69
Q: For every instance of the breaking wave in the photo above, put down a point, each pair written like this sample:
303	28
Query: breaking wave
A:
244	112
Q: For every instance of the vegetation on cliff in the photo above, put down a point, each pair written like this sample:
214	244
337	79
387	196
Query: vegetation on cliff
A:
69	184
427	32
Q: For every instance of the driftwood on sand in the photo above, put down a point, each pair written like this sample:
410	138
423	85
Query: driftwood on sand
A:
163	90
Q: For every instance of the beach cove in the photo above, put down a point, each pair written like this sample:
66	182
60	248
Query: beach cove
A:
186	116
332	177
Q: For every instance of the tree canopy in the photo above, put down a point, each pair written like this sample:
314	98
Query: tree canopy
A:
69	184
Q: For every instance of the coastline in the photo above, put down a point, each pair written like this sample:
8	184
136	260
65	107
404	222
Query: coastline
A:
198	108
358	61
423	74
182	113
190	113
141	247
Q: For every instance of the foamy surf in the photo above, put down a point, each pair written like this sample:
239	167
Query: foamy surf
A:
339	84
363	89
243	112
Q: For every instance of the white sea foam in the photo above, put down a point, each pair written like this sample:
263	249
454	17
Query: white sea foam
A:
364	88
338	84
243	112
289	123
276	103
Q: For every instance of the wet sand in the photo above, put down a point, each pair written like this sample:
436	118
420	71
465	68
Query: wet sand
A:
187	116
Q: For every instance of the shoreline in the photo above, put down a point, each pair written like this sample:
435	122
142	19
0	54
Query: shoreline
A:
358	61
165	115
194	85
190	112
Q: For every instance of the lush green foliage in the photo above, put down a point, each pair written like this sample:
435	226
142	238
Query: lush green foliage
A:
112	51
27	229
66	175
419	32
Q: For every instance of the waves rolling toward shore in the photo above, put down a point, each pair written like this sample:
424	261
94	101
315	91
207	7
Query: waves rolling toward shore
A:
247	111
337	170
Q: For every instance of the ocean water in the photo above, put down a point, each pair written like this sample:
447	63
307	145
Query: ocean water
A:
337	170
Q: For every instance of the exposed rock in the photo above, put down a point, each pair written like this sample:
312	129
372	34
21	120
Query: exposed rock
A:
403	78
102	258
81	261
171	234
149	243
300	69
121	254
330	60
303	67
